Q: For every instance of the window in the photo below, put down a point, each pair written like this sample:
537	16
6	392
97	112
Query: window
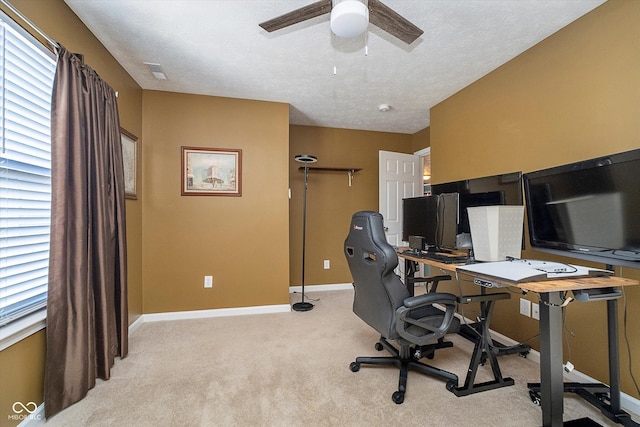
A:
26	79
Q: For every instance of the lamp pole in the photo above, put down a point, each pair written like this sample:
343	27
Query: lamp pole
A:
306	159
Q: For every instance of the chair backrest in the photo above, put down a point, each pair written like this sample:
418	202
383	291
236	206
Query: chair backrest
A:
378	290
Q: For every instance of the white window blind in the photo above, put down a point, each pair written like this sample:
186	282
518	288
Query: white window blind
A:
26	81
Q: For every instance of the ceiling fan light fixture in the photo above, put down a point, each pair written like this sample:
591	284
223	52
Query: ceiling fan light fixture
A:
349	18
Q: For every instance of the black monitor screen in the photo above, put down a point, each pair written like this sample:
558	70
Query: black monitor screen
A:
420	218
587	210
472	200
509	183
503	189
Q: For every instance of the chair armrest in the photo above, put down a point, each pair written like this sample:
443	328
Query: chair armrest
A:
428	329
429	299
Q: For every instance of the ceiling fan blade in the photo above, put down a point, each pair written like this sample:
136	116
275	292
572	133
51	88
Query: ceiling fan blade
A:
307	12
385	18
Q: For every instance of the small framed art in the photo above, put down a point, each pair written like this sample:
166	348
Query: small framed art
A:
211	171
130	163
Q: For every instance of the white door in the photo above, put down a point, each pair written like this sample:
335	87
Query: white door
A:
400	177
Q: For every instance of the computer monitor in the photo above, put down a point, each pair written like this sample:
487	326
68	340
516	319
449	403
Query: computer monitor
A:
420	218
587	209
448	219
482	192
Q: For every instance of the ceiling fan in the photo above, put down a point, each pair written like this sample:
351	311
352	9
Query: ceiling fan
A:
350	18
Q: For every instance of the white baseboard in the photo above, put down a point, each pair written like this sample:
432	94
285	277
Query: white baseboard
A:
136	324
319	288
218	312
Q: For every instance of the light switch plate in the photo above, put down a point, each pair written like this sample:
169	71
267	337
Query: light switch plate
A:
525	307
208	281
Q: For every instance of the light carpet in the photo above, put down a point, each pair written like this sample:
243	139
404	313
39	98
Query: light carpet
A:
292	369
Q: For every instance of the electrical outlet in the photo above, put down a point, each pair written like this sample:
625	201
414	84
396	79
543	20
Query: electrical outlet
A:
208	281
535	310
525	307
327	264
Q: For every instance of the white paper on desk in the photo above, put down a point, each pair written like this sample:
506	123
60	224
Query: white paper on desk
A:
521	271
506	270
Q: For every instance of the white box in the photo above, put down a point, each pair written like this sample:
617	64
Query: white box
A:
496	232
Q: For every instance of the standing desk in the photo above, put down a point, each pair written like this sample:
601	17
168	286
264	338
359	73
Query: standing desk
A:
552	386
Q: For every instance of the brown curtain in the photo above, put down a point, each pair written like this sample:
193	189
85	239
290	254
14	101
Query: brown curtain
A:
87	302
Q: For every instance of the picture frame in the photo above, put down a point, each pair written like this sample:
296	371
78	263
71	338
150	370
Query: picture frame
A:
211	171
130	162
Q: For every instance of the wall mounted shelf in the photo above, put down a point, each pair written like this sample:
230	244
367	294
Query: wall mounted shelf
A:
350	171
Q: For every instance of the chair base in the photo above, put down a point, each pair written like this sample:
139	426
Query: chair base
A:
404	360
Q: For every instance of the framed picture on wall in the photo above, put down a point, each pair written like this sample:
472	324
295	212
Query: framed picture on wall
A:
130	163
211	171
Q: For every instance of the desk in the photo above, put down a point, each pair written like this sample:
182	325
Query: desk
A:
551	292
552	385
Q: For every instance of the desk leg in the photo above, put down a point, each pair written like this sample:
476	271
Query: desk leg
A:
614	411
605	398
410	268
551	380
614	360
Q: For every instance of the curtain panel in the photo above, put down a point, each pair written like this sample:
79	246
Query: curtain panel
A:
87	313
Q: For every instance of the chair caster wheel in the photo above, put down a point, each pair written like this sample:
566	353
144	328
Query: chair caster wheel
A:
354	366
398	397
535	397
379	346
451	385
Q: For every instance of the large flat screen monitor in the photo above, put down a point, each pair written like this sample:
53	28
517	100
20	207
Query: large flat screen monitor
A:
588	209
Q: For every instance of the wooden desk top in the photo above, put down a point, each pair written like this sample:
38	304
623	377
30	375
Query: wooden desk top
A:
541	286
575	284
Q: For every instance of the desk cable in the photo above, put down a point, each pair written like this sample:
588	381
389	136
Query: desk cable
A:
626	337
306	297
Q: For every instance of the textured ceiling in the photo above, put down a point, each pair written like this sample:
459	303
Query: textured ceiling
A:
215	47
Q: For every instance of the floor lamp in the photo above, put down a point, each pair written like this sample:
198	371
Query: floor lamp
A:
306	159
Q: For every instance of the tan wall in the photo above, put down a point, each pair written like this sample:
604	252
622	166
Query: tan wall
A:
22	365
574	96
421	139
21	375
242	241
330	200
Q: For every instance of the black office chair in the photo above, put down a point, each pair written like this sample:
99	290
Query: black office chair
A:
383	302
